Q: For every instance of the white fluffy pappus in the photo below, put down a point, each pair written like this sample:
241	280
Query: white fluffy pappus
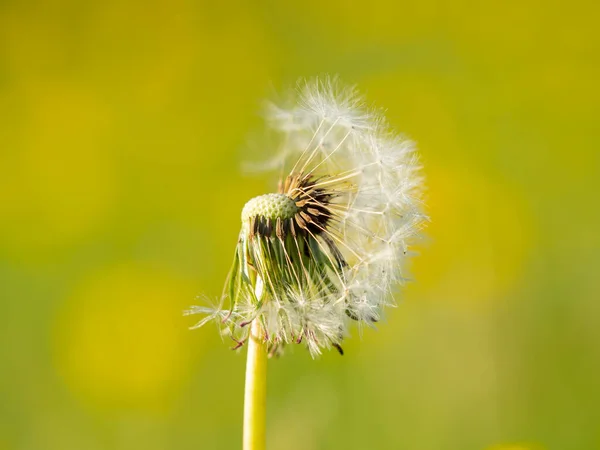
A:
327	249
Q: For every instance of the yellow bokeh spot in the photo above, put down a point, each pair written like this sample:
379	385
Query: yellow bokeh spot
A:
480	235
136	102
381	21
120	339
61	185
516	447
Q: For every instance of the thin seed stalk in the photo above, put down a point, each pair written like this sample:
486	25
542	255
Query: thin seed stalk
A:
255	395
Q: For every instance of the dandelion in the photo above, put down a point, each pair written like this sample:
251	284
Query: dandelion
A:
328	248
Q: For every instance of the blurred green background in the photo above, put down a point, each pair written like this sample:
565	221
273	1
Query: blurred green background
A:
123	126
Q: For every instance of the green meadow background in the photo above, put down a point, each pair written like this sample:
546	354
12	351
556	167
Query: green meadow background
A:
123	129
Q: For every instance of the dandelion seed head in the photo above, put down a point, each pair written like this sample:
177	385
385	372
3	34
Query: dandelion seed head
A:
328	248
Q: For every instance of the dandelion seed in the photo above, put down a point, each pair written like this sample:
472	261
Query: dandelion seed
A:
328	248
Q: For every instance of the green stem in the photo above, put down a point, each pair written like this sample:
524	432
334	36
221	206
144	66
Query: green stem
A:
255	396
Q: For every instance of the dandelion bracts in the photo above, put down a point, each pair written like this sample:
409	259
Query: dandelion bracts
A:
327	249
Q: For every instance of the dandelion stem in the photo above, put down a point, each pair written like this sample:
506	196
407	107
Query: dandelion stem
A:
255	396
